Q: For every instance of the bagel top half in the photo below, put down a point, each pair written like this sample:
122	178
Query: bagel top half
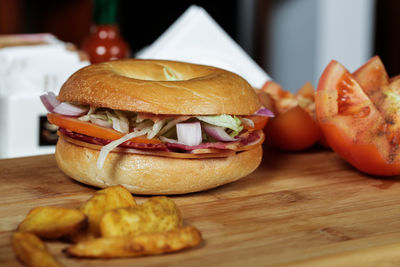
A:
160	87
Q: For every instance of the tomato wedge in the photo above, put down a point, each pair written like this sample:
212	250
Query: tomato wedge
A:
294	126
93	130
363	130
293	130
371	77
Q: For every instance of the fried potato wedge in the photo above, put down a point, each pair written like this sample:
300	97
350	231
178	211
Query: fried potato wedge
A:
32	251
52	222
105	200
78	236
131	246
158	214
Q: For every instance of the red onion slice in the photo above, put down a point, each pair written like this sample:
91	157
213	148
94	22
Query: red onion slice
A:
265	112
217	132
70	110
50	101
189	133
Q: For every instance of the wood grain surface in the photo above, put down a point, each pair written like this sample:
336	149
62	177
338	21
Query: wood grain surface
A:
296	209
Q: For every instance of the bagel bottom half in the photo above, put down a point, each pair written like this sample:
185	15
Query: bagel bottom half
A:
153	175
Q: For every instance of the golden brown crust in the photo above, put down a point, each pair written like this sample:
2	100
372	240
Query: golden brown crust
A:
143	174
142	86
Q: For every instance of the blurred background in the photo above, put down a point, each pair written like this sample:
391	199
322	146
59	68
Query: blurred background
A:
292	40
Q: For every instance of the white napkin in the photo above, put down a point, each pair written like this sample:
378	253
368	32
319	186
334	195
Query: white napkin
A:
195	37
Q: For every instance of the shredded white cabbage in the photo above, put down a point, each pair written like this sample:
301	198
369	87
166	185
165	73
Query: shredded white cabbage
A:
87	117
97	118
172	124
124	122
139	118
102	122
156	128
110	146
224	120
168	140
120	122
148	124
100	116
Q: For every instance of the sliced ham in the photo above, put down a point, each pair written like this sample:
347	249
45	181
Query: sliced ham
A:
210	153
244	141
102	142
241	141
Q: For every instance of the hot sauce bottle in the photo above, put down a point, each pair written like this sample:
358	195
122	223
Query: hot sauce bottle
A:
104	41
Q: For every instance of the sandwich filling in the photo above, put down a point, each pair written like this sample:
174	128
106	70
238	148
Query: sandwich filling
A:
183	136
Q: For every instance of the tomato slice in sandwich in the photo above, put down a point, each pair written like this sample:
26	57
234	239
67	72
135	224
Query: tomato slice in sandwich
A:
93	130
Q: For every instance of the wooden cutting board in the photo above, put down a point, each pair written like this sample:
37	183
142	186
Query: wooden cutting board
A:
300	209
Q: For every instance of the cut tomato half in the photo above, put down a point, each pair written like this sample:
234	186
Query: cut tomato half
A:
294	126
372	76
93	130
293	130
362	130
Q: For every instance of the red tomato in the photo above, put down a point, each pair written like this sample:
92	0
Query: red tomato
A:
293	130
363	130
372	76
306	91
294	126
93	130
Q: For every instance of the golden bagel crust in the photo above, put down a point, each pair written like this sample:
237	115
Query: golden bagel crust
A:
142	86
152	175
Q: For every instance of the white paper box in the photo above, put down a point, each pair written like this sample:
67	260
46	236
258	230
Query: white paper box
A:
26	72
195	37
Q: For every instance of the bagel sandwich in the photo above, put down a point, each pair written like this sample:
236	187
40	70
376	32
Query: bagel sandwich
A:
156	126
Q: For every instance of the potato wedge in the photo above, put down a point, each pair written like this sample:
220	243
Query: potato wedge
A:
158	214
79	236
131	246
52	222
31	251
104	200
